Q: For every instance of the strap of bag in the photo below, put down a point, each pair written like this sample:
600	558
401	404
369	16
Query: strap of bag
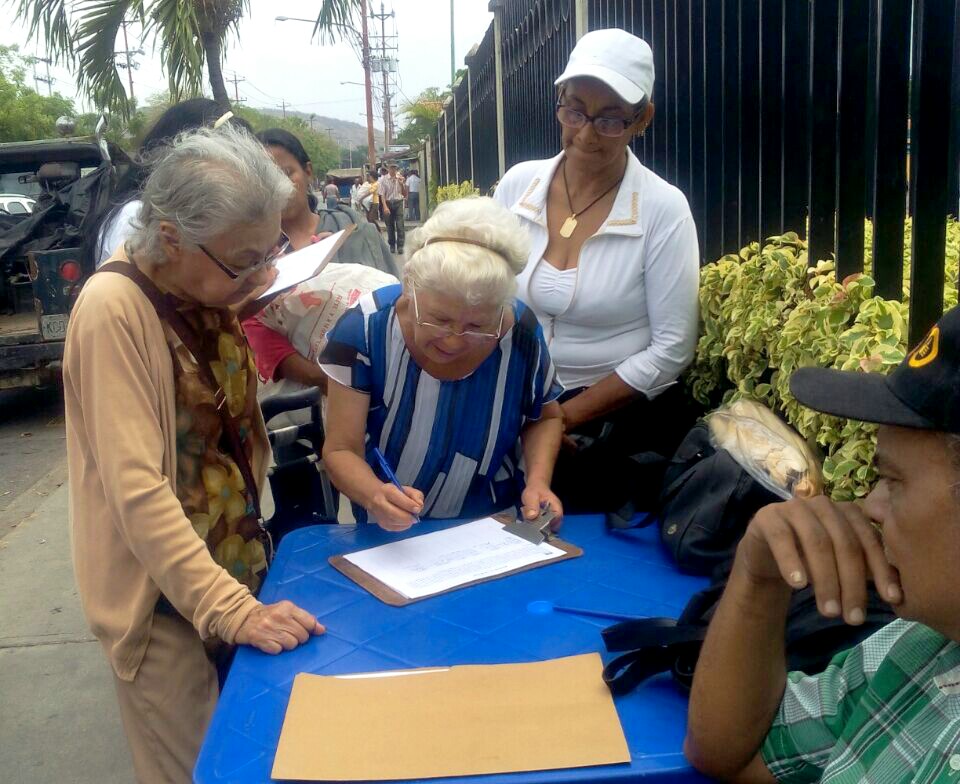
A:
650	632
165	305
653	645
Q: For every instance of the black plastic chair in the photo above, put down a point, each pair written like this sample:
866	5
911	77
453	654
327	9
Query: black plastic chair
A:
302	492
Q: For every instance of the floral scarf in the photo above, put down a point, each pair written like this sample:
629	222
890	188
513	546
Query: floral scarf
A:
210	485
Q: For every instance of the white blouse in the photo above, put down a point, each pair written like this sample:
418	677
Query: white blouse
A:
551	290
634	310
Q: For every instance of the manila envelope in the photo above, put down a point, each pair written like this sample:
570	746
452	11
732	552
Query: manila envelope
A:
458	721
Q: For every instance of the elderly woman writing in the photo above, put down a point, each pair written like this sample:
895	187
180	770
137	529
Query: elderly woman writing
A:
613	273
166	445
449	376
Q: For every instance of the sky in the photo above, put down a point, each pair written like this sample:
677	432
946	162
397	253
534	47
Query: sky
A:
279	62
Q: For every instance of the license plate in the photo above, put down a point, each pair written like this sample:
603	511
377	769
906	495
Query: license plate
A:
54	327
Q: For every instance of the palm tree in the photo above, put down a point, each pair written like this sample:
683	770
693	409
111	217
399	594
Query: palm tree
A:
190	34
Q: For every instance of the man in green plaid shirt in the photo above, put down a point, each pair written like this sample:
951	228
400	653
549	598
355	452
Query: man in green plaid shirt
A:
888	710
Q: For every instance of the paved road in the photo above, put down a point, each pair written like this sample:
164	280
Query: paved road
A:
31	450
59	721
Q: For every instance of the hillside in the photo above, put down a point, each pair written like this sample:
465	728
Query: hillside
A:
342	129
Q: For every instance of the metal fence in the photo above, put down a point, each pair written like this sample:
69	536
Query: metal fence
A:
771	116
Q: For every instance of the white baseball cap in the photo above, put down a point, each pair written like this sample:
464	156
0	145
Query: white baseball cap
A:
620	60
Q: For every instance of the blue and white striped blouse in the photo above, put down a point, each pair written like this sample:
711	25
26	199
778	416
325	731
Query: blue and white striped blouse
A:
458	442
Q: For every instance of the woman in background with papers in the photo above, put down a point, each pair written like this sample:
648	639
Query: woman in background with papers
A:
449	376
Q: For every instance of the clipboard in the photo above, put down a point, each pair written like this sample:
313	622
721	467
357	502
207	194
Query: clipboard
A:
389	596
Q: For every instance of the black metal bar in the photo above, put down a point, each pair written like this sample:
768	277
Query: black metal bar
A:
824	27
933	44
870	132
750	77
731	125
851	120
670	78
682	83
712	130
659	130
891	91
771	119
796	57
697	192
953	161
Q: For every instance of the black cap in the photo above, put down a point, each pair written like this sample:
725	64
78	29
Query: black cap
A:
923	392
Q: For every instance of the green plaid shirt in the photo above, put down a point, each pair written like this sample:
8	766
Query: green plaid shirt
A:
884	712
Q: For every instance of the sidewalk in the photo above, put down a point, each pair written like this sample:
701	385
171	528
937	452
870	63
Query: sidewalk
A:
59	721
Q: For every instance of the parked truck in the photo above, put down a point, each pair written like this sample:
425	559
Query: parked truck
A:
42	268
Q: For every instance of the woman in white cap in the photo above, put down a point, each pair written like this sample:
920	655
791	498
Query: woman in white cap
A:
613	273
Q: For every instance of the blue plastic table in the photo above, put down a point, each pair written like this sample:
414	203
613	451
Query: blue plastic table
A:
492	623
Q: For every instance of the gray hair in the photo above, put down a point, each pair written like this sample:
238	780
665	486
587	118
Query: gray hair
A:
482	268
206	183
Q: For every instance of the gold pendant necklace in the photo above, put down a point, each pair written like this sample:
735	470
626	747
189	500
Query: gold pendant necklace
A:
570	224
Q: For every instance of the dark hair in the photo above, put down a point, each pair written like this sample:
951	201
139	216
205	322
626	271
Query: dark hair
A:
372	175
183	116
278	137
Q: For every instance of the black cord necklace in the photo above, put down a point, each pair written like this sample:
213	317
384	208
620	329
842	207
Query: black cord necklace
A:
570	224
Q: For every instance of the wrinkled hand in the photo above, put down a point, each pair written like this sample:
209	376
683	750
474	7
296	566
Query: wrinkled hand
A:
833	547
394	510
536	494
273	628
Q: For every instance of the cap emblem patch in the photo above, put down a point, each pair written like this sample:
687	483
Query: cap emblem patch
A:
927	351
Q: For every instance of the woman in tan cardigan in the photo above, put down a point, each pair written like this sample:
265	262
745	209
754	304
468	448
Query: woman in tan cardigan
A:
167	448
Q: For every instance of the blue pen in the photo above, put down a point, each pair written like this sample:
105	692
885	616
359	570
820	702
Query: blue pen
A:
391	477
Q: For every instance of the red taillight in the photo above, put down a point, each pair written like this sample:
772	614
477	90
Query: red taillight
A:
70	271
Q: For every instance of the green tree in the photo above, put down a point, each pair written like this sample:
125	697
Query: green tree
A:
191	35
322	150
24	114
421	116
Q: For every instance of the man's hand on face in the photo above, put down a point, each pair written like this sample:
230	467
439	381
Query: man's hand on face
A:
832	546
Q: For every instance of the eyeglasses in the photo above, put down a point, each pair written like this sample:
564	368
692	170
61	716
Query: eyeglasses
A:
613	127
447	332
281	247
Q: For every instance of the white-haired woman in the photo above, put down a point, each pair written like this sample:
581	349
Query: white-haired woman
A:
166	446
613	274
449	377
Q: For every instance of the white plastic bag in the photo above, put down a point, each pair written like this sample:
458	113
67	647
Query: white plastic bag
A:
308	311
766	448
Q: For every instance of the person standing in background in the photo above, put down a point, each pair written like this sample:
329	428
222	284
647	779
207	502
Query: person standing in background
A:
354	199
413	189
331	194
391	196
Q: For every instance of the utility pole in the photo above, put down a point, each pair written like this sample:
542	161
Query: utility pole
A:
236	89
45	79
384	66
367	87
126	52
329	133
283	107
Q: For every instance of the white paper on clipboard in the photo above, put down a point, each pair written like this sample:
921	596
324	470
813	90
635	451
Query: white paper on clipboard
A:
303	264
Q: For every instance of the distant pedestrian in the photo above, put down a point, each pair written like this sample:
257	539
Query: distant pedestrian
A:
391	195
413	189
368	199
354	190
331	194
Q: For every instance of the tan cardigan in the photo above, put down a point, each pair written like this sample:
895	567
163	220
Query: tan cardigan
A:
130	537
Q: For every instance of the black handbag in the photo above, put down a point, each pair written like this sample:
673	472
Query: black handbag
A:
656	645
705	504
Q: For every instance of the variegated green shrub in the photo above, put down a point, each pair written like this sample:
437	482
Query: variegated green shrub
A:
766	311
